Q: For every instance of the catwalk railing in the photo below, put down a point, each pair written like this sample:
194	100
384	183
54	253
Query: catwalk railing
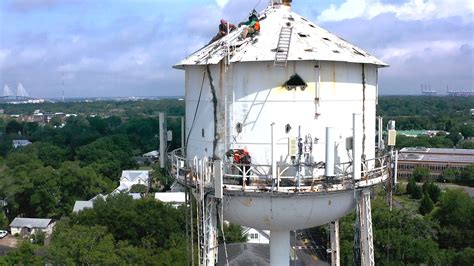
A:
289	178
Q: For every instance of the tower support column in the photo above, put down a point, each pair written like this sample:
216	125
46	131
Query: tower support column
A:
279	248
335	255
363	239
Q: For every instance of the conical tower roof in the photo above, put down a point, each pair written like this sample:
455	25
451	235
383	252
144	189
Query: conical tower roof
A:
309	42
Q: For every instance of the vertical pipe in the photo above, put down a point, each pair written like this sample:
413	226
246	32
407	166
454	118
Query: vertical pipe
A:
330	154
182	132
279	247
163	139
380	129
356	146
335	255
396	168
273	158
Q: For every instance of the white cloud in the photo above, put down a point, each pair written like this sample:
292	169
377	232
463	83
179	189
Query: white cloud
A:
222	3
84	64
4	53
410	10
419	49
30	55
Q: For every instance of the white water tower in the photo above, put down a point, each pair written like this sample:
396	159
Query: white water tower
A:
301	101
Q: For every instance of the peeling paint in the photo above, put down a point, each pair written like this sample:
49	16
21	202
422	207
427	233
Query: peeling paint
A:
247	202
330	47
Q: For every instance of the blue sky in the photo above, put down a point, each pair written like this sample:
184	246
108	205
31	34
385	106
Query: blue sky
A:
127	47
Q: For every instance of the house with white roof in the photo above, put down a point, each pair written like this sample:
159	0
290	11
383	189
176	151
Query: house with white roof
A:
132	177
17	143
80	205
256	236
29	226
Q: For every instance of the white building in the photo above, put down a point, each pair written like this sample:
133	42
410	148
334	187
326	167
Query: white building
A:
80	205
257	236
17	143
29	226
132	177
175	198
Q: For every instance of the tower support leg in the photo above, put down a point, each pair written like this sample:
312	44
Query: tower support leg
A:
279	248
363	239
335	255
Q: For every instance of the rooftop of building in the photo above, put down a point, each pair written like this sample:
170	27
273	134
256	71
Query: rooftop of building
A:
30	222
445	151
441	155
308	42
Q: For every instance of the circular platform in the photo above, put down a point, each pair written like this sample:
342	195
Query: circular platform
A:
281	211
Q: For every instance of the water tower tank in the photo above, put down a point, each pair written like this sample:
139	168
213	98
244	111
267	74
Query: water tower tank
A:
300	103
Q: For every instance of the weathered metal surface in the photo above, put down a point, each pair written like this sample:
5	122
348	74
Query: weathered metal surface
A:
270	211
308	42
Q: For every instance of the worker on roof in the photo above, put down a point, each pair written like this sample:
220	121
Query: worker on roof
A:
252	25
224	29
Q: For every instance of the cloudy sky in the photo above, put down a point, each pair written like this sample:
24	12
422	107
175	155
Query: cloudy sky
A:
127	47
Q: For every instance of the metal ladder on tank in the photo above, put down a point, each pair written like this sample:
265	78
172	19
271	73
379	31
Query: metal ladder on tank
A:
283	47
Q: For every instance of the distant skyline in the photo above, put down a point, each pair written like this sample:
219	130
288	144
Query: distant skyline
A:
120	48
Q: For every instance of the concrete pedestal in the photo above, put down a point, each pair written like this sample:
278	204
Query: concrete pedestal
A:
279	248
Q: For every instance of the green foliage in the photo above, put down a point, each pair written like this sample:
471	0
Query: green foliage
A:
82	245
410	188
426	205
434	192
417	192
38	238
466	144
122	230
421	173
24	255
3	220
139	188
456	215
233	234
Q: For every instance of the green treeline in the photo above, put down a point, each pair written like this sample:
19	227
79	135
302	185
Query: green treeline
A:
448	114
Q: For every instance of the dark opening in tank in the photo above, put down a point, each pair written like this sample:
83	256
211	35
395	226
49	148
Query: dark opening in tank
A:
295	82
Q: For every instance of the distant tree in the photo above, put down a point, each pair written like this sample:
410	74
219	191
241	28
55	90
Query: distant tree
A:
50	154
467	175
139	188
24	255
455	136
417	192
450	174
82	245
421	173
466	144
455	213
426	204
3	220
434	192
233	234
13	127
410	186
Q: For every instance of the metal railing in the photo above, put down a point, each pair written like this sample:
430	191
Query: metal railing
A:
289	177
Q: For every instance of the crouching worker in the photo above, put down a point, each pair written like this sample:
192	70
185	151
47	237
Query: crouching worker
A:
224	29
242	160
252	25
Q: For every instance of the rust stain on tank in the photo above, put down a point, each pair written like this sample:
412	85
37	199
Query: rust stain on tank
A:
246	202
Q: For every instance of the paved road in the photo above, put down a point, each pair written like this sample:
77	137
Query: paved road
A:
469	190
7	244
307	250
